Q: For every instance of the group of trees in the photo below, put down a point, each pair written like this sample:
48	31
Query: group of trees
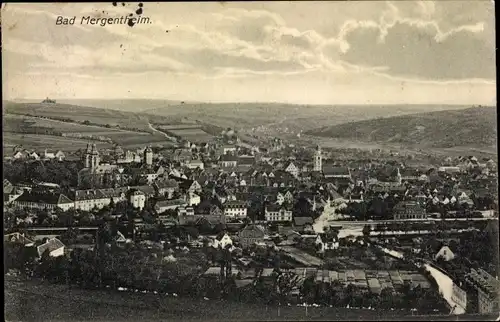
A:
64	173
136	268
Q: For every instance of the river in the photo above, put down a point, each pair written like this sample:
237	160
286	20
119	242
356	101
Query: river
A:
444	282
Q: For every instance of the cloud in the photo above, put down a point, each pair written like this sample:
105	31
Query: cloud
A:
391	42
419	50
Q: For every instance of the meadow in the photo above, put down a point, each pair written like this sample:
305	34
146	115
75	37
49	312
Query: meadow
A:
40	142
126	138
35	301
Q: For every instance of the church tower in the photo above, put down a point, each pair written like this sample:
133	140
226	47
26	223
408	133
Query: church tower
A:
318	160
148	156
398	177
87	156
94	158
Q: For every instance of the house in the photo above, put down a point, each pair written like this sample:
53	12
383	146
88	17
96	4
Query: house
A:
228	149
148	191
487	288
164	205
251	234
189	186
228	161
166	188
336	172
193	199
302	223
49	155
195	164
409	210
33	155
60	156
222	241
138	199
447	169
185	211
98	198
54	246
167	220
20	155
445	253
276	213
43	200
18	238
292	169
246	161
325	243
235	209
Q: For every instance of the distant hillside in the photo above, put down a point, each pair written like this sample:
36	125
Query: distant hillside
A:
466	127
294	118
80	113
273	119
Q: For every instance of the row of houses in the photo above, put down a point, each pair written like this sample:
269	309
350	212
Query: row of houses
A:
33	155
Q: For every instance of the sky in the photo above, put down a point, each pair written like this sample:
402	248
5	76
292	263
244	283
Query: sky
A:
366	52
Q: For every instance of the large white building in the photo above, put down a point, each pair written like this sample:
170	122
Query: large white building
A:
138	199
235	209
275	213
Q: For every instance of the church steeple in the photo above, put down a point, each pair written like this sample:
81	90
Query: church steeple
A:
398	176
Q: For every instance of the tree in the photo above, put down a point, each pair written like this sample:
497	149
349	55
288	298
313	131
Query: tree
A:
192	231
366	230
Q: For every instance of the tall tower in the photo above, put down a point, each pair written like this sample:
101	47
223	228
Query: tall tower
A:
318	159
87	156
398	177
94	163
148	156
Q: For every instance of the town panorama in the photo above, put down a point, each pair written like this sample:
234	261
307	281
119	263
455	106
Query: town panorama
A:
250	161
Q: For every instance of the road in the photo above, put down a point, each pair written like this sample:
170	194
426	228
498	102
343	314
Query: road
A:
390	221
162	133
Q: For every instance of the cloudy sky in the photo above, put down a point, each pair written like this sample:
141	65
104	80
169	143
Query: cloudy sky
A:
440	52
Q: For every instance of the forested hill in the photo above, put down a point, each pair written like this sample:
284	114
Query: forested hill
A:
466	127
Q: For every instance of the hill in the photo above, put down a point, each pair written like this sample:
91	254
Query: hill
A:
286	118
80	113
444	129
261	119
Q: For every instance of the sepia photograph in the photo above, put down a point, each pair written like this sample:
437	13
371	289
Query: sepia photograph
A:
250	161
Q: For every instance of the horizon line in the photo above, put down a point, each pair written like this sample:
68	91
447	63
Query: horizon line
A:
180	102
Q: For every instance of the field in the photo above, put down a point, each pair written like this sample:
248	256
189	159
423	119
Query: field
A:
191	132
80	113
41	142
125	138
36	301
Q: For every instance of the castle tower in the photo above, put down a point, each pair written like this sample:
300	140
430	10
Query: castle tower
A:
148	156
318	160
398	177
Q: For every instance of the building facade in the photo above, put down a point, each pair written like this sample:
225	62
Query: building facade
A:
409	210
